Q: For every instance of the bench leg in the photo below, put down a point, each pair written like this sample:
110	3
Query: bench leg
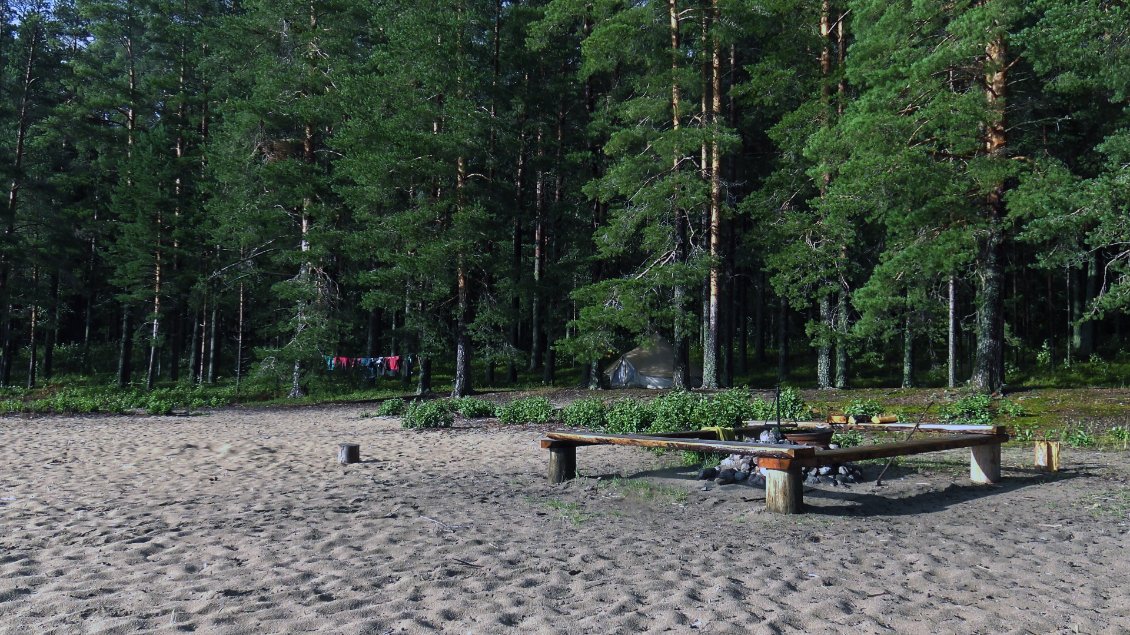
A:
784	492
985	463
562	463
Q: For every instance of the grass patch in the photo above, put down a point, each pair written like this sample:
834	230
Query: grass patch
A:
569	512
1114	504
645	490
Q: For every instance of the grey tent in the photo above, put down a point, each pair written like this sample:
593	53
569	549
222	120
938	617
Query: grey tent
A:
650	366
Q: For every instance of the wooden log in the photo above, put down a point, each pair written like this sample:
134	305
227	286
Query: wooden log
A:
1047	455
562	460
884	419
785	450
348	453
784	493
837	419
922	427
985	463
903	448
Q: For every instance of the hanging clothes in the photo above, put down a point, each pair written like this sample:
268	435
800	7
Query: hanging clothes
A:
393	363
329	362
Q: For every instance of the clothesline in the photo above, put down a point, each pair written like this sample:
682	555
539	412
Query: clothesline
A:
374	366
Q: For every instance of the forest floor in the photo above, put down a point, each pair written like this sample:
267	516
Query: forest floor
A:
240	520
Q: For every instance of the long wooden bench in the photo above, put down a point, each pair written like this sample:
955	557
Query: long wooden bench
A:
783	462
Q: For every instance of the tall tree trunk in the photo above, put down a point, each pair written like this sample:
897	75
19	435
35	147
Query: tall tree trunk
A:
681	372
424	378
824	351
213	344
988	373
951	344
239	337
759	317
125	348
462	385
536	327
151	369
842	317
52	337
710	369
33	343
908	351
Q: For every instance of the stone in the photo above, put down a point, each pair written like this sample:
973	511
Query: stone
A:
707	473
741	475
725	477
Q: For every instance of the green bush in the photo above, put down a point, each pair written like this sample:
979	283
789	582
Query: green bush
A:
391	408
792	404
1079	437
971	409
1011	408
866	408
673	412
584	413
727	409
427	414
627	416
848	438
473	408
527	410
761	410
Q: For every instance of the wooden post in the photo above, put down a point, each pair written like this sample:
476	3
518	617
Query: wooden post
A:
348	453
1047	455
784	493
562	460
985	463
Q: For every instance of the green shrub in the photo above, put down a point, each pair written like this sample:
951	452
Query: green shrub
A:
1121	434
584	413
971	409
627	416
848	438
673	412
427	414
865	408
727	409
1011	408
792	404
474	408
527	410
761	410
1079	437
391	408
1025	432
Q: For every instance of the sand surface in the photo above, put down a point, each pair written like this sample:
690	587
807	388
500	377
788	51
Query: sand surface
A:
241	521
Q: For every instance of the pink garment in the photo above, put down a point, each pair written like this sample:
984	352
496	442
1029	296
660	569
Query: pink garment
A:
393	363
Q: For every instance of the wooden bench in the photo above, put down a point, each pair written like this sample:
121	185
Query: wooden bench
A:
783	461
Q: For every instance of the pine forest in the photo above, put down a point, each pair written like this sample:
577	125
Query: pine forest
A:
826	193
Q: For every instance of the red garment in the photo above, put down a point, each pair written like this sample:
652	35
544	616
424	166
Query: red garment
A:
393	363
341	362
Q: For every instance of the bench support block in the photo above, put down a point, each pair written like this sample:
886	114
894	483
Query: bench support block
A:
562	462
784	491
985	463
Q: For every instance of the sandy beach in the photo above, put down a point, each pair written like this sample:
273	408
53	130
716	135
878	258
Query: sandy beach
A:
242	521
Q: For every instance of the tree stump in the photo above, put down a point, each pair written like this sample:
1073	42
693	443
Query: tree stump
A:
784	491
348	453
562	460
1047	455
985	463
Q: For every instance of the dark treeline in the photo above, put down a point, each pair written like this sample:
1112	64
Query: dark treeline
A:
199	189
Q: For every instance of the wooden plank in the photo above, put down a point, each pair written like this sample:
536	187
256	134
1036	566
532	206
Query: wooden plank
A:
784	491
1047	455
889	427
724	447
904	448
